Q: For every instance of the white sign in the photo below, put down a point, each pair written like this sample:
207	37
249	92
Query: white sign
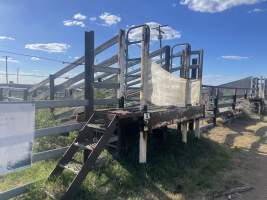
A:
17	122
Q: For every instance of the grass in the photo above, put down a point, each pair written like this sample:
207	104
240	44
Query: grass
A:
174	171
45	119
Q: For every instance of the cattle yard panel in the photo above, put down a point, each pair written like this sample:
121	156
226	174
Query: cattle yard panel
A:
125	76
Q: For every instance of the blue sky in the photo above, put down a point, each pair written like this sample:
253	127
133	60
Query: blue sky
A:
233	33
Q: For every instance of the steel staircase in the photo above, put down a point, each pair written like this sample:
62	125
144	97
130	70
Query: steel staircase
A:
96	134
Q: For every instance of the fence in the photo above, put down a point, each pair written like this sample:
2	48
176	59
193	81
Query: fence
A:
104	75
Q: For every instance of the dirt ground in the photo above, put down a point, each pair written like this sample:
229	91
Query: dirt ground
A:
247	139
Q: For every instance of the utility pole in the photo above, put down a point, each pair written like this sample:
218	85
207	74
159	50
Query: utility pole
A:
18	75
6	57
160	37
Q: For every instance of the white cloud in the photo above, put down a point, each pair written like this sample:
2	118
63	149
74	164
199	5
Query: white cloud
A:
109	19
213	6
73	23
257	10
79	16
9	59
49	47
235	57
92	19
6	38
35	59
169	32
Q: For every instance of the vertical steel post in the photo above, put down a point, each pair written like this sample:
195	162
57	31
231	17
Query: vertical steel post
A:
89	73
122	66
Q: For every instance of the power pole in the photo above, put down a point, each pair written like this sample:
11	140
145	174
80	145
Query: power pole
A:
160	37
6	57
18	75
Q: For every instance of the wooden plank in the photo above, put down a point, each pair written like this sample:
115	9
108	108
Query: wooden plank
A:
57	130
108	70
103	85
59	103
70	81
15	99
37	86
15	85
53	103
58	73
71	66
107	44
106	63
79	61
222	105
133	83
106	101
15	191
47	155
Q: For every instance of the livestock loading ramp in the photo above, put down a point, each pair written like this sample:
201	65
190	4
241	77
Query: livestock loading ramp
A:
139	93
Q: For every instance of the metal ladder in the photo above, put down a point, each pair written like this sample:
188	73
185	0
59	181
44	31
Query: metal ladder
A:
97	133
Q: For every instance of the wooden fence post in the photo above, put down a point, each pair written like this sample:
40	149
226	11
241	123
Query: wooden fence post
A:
197	128
246	94
122	66
143	104
89	73
167	64
215	109
234	100
1	94
89	57
184	130
51	87
25	94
